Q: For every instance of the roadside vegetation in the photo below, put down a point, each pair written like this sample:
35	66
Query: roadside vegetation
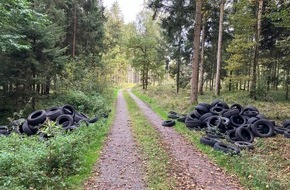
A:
62	162
265	167
156	159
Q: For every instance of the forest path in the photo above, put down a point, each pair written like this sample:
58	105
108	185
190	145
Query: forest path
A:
201	170
120	166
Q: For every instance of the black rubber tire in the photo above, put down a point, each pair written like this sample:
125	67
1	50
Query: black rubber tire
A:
94	120
226	148
287	133
68	110
37	117
244	134
216	110
250	113
237	120
263	128
78	117
28	130
19	130
15	123
172	116
191	123
286	123
252	120
168	123
280	130
208	141
214	122
237	106
181	118
231	136
231	112
205	116
201	109
244	145
214	135
64	120
222	105
53	113
4	130
208	106
173	112
261	116
250	108
214	102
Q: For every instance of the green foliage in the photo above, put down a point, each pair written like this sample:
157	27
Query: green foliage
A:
27	162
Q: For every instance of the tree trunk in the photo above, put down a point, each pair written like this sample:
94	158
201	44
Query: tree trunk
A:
74	32
287	85
256	52
201	68
196	44
218	65
178	69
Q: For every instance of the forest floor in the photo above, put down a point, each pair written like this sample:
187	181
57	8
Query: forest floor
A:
121	167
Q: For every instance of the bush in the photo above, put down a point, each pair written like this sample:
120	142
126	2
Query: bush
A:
27	162
91	104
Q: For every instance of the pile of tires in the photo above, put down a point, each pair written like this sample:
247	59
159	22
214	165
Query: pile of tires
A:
66	117
237	124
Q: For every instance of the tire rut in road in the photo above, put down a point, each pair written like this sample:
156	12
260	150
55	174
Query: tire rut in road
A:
120	166
193	162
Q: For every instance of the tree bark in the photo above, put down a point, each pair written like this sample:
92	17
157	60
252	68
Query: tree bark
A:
74	32
196	44
256	52
201	66
218	65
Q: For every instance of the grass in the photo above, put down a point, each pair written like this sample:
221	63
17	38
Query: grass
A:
93	151
152	151
266	167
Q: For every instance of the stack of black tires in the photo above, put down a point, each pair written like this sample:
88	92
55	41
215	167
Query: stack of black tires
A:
64	116
238	124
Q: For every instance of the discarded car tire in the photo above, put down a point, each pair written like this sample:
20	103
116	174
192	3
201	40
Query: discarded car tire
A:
237	106
231	136
94	120
16	123
208	141
280	130
28	130
244	145
244	134
168	123
64	120
237	120
4	130
37	117
53	113
287	133
263	128
226	148
68	110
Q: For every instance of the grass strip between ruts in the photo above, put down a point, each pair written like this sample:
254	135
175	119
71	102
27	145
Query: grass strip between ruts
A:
251	169
153	153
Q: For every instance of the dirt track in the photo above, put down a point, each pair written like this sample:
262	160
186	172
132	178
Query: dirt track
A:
120	166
